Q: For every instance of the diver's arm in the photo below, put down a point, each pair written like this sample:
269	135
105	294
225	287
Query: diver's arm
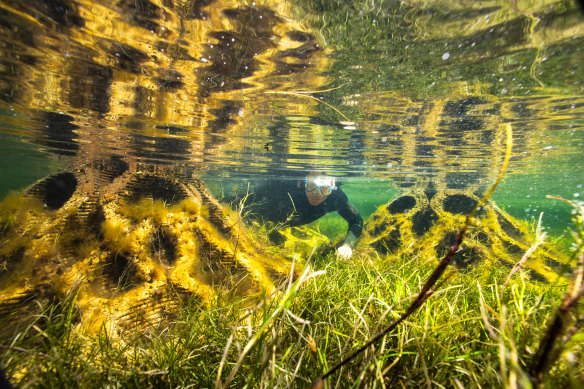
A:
351	239
352	216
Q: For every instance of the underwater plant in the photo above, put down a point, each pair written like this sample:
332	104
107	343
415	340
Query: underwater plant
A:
546	354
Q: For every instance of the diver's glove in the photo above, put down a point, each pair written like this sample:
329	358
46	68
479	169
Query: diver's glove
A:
344	252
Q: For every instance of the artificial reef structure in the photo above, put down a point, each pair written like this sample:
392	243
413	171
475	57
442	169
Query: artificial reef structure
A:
424	222
127	252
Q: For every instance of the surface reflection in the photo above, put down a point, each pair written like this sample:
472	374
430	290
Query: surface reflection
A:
239	89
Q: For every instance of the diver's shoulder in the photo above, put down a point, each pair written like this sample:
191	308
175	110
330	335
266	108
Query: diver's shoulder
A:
339	193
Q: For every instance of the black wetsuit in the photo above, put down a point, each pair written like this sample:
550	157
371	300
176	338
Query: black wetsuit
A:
285	203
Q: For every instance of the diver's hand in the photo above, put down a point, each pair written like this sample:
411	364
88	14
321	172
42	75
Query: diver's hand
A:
344	252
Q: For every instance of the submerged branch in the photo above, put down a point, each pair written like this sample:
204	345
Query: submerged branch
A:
556	328
304	94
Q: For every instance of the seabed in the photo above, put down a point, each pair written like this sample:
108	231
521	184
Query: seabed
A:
126	264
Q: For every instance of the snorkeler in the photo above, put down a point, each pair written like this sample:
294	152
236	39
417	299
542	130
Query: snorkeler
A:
295	203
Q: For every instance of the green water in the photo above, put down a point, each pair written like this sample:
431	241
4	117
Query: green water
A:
22	164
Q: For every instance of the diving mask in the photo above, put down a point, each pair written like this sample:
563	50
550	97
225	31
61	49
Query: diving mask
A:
326	185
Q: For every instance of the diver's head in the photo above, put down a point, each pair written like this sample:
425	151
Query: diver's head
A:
318	188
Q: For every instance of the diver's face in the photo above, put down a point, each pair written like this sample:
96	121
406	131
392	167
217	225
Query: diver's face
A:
315	197
317	189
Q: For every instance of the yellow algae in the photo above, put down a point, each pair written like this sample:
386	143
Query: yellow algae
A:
129	255
190	206
183	274
154	210
302	241
20	220
115	232
424	222
260	276
15	207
